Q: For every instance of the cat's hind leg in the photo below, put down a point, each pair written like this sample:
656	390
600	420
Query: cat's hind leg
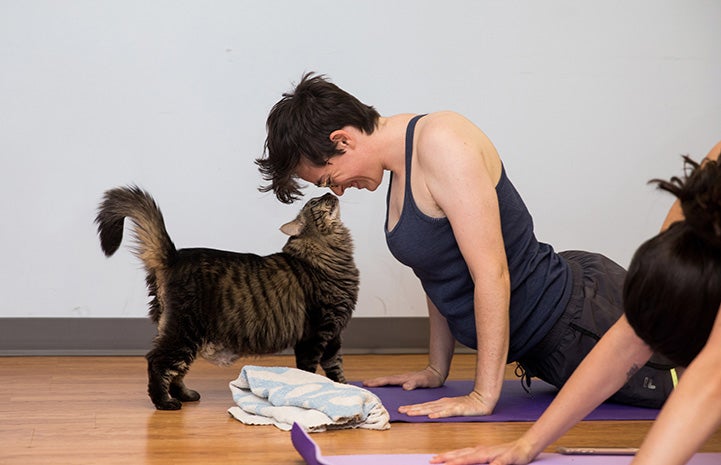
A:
166	370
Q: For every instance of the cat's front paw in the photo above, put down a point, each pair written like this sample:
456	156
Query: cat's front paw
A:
337	377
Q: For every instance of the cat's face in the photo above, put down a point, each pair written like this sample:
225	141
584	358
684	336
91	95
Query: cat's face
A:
319	214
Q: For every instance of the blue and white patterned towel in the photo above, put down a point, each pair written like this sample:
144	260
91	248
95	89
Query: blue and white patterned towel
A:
280	396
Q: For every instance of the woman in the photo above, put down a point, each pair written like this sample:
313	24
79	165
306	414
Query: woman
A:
454	217
672	297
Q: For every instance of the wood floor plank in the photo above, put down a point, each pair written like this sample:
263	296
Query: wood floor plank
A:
95	410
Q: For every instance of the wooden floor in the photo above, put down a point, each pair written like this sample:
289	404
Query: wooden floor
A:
94	410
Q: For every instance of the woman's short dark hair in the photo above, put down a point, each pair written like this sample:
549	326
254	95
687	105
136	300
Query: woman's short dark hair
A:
300	124
672	291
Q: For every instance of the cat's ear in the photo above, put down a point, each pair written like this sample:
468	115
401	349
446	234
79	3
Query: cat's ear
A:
293	228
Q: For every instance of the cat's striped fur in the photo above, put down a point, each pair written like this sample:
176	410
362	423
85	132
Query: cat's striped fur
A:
222	305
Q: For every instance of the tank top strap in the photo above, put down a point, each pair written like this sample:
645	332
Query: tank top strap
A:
410	131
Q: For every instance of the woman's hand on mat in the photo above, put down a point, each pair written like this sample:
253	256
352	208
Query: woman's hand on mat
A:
468	405
516	453
427	378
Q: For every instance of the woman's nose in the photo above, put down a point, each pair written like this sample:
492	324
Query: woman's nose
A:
338	190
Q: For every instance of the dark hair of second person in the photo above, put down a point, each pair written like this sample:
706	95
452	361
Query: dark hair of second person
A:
672	290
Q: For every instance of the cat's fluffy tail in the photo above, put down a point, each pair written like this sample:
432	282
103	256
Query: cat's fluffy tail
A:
152	242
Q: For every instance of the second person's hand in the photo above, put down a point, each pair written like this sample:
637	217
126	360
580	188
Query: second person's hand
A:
511	453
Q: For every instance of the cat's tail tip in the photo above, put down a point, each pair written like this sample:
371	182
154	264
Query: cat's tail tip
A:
152	242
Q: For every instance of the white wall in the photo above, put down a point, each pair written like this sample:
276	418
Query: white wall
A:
585	101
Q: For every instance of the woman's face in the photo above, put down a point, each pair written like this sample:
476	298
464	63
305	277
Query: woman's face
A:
340	173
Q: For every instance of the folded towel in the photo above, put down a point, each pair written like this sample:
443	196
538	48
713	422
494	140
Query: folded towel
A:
281	396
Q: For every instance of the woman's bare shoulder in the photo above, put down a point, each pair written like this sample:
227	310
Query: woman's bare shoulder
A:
448	128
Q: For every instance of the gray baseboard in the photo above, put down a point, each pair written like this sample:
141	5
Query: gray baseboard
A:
133	336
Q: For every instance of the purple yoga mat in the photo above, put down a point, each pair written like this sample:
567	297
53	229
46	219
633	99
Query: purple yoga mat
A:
515	404
310	452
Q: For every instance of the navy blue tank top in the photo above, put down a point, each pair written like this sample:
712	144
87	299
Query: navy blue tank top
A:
540	278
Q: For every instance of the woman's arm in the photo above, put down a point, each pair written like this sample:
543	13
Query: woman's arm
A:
442	343
456	174
616	357
441	347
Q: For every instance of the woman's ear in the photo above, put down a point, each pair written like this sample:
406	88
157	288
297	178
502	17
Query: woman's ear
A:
342	139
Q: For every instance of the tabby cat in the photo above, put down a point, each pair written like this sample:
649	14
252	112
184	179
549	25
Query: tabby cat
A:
222	305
